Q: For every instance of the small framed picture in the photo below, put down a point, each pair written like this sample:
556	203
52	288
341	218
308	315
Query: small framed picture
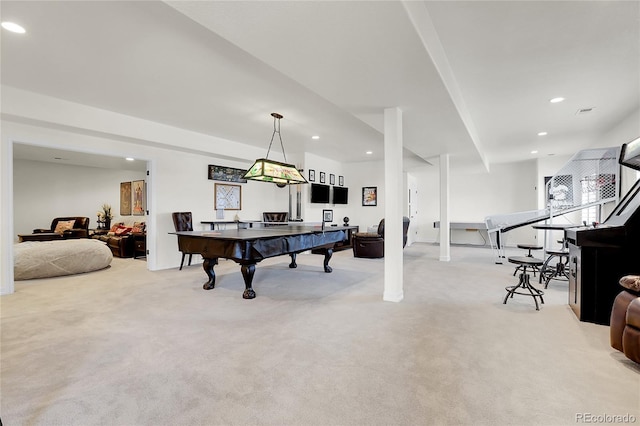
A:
327	215
322	177
332	179
312	175
370	196
341	180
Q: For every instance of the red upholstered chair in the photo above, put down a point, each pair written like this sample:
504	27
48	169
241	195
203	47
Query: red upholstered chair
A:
183	221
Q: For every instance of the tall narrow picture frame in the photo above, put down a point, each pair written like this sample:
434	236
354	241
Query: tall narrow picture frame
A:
139	193
370	196
125	199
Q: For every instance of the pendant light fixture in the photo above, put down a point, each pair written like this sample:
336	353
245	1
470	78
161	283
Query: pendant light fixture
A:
266	170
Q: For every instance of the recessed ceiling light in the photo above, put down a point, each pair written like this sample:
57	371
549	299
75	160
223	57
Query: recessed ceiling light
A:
315	137
542	134
556	100
369	152
129	159
13	27
534	152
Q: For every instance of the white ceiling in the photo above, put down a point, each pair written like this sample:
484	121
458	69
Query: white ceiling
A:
473	78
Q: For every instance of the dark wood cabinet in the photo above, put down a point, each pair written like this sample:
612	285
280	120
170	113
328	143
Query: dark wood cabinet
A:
139	245
594	273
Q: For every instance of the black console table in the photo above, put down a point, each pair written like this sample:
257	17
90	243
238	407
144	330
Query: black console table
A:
342	245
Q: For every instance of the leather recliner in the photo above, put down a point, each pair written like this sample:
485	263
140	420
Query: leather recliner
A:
624	326
80	228
371	246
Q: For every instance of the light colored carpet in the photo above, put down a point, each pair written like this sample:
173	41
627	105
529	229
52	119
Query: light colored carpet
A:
124	346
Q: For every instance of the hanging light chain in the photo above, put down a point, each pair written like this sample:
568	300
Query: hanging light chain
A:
276	129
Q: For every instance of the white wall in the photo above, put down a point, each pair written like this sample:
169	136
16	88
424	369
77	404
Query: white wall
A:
365	175
313	212
508	188
45	190
356	176
178	179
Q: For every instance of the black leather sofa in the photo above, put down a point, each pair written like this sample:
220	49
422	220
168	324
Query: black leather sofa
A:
60	225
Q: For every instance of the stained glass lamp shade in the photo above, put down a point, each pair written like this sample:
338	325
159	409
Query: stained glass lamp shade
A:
266	170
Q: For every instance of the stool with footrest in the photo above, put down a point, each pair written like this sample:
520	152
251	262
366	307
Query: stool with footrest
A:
528	247
524	286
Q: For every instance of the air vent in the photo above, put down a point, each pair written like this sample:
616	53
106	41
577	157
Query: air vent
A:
582	111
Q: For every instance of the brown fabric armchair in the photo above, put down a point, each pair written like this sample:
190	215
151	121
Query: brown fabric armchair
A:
69	227
372	245
625	319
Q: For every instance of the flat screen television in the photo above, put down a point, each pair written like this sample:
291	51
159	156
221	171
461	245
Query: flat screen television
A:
630	154
340	195
319	193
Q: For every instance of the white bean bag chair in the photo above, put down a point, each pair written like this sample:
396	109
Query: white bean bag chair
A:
43	259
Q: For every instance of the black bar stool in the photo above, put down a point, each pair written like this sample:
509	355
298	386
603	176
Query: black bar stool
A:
528	247
523	283
559	271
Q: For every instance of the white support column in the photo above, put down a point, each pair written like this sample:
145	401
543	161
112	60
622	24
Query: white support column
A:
445	223
393	203
6	218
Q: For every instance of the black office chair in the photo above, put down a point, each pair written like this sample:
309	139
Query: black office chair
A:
183	221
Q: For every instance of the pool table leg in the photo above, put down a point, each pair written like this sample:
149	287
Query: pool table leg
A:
247	274
293	263
327	258
208	265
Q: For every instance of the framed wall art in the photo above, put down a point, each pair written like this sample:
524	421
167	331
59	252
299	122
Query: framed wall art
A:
139	193
227	197
125	199
227	174
322	177
327	215
332	179
370	196
341	180
312	175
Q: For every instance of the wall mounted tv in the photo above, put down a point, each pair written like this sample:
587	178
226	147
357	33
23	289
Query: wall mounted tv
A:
319	193
340	195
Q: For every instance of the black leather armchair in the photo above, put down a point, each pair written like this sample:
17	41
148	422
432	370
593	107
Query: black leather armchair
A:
78	229
183	221
275	218
372	245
